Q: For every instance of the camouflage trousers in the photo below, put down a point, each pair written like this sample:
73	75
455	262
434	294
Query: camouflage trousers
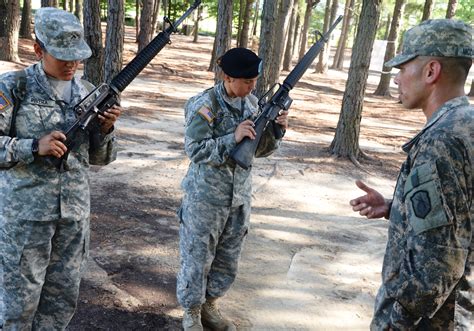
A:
210	242
41	271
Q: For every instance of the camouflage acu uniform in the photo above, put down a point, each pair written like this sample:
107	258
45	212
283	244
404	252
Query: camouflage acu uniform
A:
427	280
44	213
426	271
215	212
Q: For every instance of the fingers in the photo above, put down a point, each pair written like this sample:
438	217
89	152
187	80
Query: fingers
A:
362	186
52	144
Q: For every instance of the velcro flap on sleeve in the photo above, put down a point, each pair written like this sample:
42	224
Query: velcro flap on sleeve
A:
423	198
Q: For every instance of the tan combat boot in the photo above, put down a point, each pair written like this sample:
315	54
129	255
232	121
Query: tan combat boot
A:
192	319
212	317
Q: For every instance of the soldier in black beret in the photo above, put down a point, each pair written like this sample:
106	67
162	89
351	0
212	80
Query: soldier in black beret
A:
215	211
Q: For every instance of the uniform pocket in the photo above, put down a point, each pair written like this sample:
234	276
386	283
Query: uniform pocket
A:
423	198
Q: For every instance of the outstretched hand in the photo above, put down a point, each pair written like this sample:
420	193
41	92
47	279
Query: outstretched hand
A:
371	205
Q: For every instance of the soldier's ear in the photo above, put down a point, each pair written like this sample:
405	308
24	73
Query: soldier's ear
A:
433	71
38	51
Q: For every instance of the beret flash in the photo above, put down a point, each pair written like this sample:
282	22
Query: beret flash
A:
240	63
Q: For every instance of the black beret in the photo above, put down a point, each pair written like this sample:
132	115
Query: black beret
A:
240	63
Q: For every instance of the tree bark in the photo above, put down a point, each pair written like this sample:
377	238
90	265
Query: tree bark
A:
49	3
338	62
223	34
281	32
244	35
471	92
451	10
427	9
240	21
383	89
156	13
346	139
9	42
78	10
290	40
93	66
267	43
304	32
322	65
114	38
196	24
138	5
3	20
25	27
145	24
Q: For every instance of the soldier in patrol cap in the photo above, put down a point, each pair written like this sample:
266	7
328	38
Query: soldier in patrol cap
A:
44	213
426	277
215	211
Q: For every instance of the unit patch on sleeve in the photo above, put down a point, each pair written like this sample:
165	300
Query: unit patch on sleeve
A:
207	114
4	102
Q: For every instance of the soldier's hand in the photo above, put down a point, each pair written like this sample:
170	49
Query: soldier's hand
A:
245	129
107	120
52	144
282	119
371	205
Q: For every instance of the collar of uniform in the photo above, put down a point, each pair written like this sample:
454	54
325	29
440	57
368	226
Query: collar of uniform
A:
440	112
43	82
235	103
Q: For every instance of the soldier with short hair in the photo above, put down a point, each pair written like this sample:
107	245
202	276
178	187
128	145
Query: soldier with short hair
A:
427	279
44	212
215	211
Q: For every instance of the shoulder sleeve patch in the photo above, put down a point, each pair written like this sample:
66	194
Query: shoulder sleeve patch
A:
207	114
4	102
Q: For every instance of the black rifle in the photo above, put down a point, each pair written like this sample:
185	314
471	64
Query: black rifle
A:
244	152
106	95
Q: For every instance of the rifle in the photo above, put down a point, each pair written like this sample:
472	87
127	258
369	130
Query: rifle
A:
106	95
244	152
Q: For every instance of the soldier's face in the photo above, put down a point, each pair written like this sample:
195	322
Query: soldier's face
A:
239	87
411	85
59	69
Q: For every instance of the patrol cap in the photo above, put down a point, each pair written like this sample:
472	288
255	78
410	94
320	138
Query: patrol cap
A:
440	37
240	63
61	34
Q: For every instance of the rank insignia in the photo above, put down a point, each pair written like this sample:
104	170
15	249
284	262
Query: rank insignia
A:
207	114
4	102
421	204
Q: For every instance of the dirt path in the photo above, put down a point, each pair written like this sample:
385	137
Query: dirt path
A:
309	263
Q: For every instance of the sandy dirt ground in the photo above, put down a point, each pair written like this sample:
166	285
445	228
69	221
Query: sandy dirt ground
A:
309	262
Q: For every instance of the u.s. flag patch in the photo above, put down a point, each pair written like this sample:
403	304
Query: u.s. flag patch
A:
4	102
207	114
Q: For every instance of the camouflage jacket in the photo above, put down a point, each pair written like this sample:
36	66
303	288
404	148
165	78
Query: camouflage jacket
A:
209	139
32	189
426	269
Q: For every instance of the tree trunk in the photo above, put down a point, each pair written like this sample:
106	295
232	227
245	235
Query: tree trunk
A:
281	32
254	27
93	66
338	62
346	139
145	24
267	43
25	27
223	34
304	32
290	40
49	3
383	89
451	11
244	35
427	9
196	24
138	4
71	6
3	20
65	5
240	21
9	42
387	26
156	13
114	37
297	32
322	65
471	92
78	10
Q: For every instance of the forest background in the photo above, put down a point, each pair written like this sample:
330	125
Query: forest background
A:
308	264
